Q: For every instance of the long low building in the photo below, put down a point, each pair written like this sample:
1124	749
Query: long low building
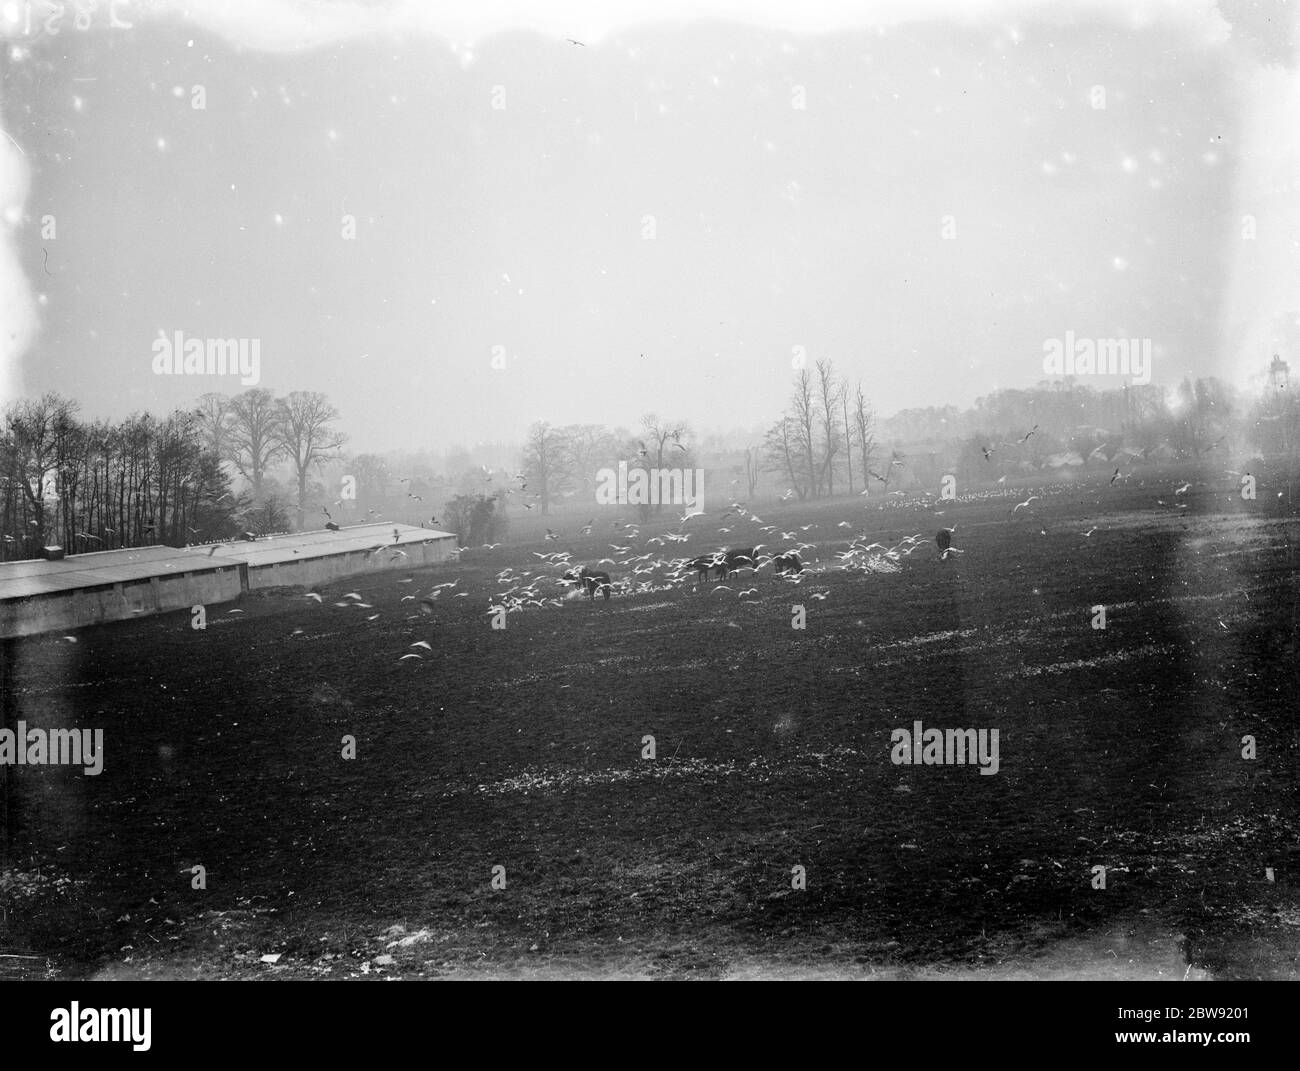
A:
319	557
112	585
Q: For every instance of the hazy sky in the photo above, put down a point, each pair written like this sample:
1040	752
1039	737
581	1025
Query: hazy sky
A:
651	220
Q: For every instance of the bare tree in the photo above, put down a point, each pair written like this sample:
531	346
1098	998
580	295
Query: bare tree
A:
804	420
663	445
254	443
591	447
781	448
548	463
864	423
33	435
215	417
662	438
843	390
826	389
753	456
302	428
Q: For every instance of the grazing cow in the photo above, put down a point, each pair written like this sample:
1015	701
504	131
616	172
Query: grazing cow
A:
787	563
592	580
735	560
703	564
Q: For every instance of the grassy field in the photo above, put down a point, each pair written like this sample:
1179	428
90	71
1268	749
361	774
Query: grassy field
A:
522	748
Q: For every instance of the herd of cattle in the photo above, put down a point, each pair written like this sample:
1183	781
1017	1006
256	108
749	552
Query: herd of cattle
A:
721	564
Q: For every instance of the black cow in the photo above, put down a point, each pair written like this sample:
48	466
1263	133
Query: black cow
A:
735	560
787	563
703	564
592	580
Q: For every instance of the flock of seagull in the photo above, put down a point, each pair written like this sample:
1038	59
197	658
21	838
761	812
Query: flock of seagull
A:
661	562
650	565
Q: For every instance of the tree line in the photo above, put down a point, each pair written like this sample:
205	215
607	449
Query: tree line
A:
825	422
145	480
559	461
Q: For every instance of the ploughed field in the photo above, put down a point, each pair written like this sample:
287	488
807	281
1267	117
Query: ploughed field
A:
522	748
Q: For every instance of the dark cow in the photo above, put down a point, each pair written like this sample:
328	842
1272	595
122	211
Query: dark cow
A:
735	560
592	580
787	563
704	564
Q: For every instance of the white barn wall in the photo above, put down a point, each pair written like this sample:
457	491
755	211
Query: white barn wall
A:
120	601
325	568
79	607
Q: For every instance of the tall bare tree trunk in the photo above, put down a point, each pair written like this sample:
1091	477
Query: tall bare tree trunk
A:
848	434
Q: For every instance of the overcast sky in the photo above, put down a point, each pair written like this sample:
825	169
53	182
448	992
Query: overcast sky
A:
650	220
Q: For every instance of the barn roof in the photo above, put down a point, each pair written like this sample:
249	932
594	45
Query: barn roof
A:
36	577
298	546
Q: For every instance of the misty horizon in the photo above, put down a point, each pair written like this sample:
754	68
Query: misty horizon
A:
665	219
